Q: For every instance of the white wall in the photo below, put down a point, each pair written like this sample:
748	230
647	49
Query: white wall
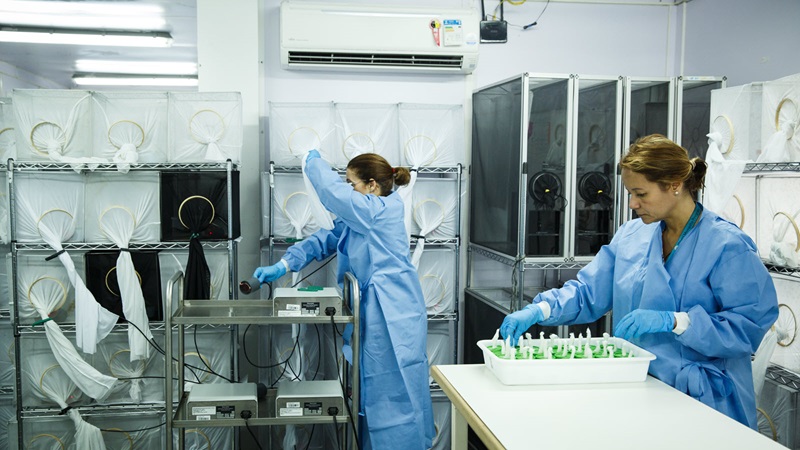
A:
12	77
745	40
588	39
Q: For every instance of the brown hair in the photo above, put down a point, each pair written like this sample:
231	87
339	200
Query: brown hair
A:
664	162
371	166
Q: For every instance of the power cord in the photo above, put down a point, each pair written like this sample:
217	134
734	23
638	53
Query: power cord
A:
246	415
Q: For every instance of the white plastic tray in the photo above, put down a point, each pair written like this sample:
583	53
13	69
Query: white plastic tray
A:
570	371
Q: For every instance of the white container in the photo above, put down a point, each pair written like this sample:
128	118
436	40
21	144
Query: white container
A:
570	371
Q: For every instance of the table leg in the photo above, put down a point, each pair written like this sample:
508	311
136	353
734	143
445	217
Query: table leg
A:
458	432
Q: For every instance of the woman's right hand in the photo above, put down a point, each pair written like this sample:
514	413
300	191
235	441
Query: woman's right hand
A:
517	323
271	273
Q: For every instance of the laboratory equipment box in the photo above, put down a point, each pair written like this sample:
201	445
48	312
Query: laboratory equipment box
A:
307	301
612	360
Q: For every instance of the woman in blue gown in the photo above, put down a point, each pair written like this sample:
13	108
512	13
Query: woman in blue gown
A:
370	240
682	282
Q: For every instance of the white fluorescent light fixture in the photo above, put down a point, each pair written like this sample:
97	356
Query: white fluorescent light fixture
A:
136	67
116	79
71	36
58	14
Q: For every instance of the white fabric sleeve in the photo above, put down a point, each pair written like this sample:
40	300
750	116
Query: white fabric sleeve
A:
286	264
682	322
545	307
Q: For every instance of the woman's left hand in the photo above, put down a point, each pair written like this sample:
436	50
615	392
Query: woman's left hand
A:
642	321
312	154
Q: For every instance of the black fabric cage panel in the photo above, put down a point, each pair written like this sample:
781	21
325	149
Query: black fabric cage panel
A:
197	202
101	279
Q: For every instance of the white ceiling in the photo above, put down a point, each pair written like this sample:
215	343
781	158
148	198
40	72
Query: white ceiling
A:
57	62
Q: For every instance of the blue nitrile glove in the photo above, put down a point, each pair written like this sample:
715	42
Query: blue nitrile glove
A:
641	321
312	154
517	323
271	273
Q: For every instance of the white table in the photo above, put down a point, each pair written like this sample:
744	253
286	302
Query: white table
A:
647	415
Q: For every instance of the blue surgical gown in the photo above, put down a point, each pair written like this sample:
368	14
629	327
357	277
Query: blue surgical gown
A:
715	275
370	239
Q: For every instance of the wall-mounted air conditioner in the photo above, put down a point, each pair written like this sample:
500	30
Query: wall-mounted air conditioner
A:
378	37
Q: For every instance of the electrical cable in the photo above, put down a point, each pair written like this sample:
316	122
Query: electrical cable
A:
253	435
310	435
344	391
117	430
197	349
536	22
336	433
330	258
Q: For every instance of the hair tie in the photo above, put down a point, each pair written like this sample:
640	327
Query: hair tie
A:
394	170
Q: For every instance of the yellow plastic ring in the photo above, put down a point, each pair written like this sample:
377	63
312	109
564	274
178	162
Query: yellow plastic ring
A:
430	200
353	135
289	140
51	211
141	130
108	286
100	219
119	430
778	111
51	436
219	116
794	225
62	137
794	319
180	209
63	289
442	290
423	137
729	124
208	441
114	357
205	375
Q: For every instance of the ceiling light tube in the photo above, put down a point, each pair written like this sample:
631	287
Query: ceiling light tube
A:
115	79
70	36
136	67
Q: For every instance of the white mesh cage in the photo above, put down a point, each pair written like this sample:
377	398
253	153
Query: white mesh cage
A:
431	135
122	207
213	350
787	352
50	209
736	116
437	277
130	127
435	208
778	237
48	433
49	383
53	124
440	343
741	207
49	202
205	127
8	135
780	120
296	128
292	207
366	128
207	438
57	348
434	212
44	284
114	358
441	422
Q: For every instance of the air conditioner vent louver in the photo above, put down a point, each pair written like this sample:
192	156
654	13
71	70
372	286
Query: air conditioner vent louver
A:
375	59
